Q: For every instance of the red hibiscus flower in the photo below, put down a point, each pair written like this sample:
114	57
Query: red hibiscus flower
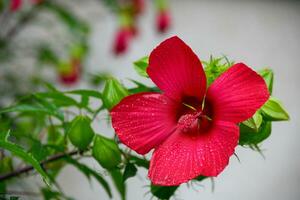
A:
15	5
122	40
163	21
193	129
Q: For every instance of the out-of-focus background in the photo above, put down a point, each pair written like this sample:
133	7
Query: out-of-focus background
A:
261	34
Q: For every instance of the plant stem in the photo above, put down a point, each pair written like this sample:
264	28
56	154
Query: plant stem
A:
28	168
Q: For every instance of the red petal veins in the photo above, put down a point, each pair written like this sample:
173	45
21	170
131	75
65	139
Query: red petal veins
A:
237	94
183	157
176	70
143	121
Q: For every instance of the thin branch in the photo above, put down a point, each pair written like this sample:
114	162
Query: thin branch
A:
28	168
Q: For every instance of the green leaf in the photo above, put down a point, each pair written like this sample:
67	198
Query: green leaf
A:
80	132
88	172
32	108
140	87
117	178
58	98
47	55
251	137
141	65
87	93
130	171
254	122
268	76
106	152
113	93
273	110
21	153
163	192
66	17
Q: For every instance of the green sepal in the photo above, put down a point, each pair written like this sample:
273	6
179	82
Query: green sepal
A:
113	93
268	76
141	65
254	122
273	110
163	192
251	137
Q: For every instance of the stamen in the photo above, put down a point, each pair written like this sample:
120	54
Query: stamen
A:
189	106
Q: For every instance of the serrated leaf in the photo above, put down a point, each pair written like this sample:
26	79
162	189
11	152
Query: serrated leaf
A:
254	122
141	65
251	137
163	192
117	179
273	110
113	93
88	172
268	76
27	157
130	171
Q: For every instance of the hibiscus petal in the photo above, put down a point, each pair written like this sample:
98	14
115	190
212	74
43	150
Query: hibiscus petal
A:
183	156
237	94
143	121
176	70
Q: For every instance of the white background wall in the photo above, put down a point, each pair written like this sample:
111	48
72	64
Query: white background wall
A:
259	33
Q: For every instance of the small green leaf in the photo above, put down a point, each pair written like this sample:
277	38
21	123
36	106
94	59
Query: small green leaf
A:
141	65
254	122
80	132
106	152
27	157
113	93
163	192
88	172
273	110
130	171
268	76
251	137
117	178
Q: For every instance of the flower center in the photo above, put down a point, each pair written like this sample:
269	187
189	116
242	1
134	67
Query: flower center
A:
192	118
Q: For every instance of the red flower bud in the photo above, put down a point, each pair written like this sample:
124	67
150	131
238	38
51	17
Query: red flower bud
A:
122	39
163	21
70	76
15	5
138	6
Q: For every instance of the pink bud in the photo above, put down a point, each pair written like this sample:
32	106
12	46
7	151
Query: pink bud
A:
15	5
163	21
122	39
